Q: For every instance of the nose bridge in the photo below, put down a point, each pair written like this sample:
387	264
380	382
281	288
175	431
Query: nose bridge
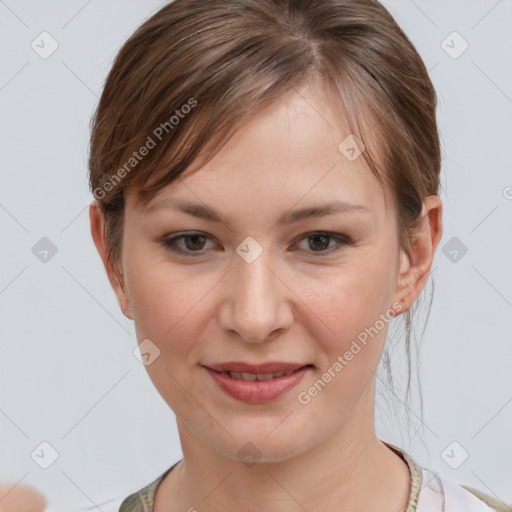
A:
254	296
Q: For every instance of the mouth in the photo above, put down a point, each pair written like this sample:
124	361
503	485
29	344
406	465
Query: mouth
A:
251	376
264	371
265	383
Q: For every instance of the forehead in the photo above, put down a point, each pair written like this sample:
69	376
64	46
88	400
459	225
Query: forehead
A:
294	150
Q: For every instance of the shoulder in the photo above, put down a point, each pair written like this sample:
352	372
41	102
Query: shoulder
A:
142	501
493	502
441	494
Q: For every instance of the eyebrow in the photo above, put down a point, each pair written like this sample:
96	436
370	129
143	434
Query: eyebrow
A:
203	211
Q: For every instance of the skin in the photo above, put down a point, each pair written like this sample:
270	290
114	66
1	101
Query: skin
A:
286	305
20	498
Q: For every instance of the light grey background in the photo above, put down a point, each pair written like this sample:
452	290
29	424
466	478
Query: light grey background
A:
68	373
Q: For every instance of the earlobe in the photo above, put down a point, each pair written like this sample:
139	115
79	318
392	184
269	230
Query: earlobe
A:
402	281
405	262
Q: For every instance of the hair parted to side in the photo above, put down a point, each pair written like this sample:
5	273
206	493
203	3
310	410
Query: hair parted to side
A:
210	64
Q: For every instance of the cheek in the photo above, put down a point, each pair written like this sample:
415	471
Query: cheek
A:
350	354
161	295
352	302
169	308
168	311
163	307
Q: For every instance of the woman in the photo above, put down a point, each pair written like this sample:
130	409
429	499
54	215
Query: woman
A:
266	179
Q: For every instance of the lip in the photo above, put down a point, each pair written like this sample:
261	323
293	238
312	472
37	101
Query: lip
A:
259	391
270	367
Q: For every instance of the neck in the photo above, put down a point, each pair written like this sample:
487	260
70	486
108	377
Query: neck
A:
352	467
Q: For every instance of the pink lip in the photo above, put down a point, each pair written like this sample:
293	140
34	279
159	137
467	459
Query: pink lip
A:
258	391
271	367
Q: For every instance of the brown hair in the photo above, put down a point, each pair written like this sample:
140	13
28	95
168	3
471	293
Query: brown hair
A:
198	68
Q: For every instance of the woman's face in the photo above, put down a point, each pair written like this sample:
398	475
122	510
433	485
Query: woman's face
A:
266	285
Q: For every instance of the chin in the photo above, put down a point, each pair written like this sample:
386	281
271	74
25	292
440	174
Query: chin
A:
260	447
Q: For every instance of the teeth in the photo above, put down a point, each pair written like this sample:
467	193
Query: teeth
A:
268	376
257	376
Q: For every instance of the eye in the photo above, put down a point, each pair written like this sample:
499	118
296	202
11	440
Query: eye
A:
194	243
320	242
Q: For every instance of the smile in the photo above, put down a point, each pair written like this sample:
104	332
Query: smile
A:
257	376
257	387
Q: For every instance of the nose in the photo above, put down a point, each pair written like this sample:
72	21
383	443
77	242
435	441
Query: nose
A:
256	302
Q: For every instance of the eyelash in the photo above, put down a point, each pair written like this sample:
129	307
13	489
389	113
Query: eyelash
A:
170	243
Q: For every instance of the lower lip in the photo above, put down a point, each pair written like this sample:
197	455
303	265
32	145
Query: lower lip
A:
258	391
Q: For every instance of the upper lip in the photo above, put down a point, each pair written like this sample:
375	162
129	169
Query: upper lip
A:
241	367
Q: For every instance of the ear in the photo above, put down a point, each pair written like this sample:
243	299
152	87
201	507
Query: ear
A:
115	275
415	269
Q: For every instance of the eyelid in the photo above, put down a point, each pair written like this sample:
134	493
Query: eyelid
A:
169	242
